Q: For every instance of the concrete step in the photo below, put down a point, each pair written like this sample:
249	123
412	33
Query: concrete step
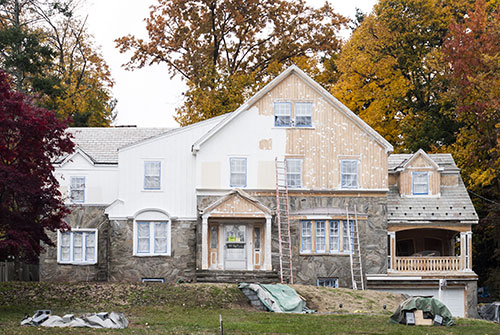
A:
233	276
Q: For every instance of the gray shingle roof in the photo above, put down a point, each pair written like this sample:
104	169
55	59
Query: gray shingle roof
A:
102	144
444	161
454	204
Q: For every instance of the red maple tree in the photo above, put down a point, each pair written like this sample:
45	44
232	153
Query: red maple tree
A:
30	202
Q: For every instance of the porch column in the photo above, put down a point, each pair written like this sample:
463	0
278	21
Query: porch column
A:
465	250
391	264
267	245
204	242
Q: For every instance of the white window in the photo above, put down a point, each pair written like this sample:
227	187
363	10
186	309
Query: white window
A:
282	114
330	236
152	238
306	235
303	114
77	189
334	234
152	175
78	246
420	183
238	167
349	173
294	173
320	237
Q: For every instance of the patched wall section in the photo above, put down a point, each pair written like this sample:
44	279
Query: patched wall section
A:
307	268
180	265
80	217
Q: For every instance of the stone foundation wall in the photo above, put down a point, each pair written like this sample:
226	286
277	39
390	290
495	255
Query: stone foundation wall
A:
307	268
181	265
80	217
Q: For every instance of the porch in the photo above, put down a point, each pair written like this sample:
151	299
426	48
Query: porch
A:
429	250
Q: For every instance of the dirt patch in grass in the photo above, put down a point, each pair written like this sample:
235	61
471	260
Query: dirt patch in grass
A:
328	300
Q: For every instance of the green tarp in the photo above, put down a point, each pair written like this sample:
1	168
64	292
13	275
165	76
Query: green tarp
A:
278	298
430	305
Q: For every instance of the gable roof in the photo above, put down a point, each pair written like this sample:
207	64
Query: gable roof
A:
422	153
444	161
101	144
236	193
317	87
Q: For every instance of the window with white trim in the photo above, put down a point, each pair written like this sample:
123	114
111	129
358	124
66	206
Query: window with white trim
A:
294	172
349	173
282	114
78	246
77	189
238	171
152	175
328	282
303	114
420	182
152	238
326	236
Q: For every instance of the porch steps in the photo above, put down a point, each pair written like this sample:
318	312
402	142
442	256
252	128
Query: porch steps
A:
237	276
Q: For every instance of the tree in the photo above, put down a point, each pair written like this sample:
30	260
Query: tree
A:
45	47
224	49
472	51
391	73
30	203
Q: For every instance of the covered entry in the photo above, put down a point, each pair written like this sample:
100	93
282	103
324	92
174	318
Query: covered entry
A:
236	234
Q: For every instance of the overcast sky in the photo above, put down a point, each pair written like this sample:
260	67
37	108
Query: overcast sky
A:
148	97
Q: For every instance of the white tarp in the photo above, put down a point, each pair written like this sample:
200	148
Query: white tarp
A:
99	320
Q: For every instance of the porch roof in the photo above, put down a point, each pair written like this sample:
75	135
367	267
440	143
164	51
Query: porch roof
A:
236	203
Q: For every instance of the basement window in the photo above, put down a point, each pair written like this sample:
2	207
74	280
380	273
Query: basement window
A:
328	282
78	246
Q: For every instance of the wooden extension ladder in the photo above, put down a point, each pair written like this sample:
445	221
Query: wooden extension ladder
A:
355	251
282	216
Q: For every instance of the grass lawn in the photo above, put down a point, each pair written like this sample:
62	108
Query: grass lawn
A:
175	309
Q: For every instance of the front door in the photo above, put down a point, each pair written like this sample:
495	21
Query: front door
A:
235	247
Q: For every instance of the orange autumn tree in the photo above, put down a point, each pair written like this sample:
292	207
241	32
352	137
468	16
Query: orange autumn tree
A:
225	50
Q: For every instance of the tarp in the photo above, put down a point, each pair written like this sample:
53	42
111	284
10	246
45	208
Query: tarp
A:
99	320
490	312
278	297
427	305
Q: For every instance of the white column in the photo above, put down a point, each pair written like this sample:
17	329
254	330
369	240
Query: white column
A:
249	237
267	245
465	249
204	242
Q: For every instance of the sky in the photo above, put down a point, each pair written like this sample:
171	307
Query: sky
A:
148	97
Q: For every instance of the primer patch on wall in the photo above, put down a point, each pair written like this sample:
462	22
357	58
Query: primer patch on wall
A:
210	175
266	177
266	144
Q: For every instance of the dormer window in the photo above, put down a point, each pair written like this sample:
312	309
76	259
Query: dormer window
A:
420	182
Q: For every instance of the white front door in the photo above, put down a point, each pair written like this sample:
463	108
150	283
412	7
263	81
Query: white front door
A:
235	247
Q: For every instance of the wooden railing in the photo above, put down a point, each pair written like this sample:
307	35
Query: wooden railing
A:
428	264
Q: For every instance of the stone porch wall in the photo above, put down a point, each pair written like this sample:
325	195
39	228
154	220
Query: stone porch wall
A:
181	265
307	268
80	217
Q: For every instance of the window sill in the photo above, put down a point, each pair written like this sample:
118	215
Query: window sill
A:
77	263
152	191
324	254
151	255
290	127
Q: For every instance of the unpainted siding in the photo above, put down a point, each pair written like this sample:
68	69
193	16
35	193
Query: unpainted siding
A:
333	137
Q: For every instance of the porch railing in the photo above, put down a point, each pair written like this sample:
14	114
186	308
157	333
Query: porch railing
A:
428	264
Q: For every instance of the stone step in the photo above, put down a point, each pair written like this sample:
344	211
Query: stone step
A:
231	276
